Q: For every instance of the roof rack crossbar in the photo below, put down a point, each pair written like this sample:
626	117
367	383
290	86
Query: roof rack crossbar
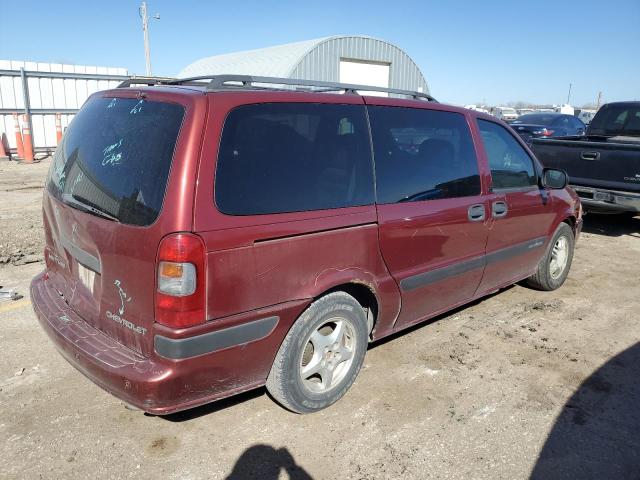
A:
223	82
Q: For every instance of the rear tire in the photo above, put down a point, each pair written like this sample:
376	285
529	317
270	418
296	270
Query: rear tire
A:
321	355
555	265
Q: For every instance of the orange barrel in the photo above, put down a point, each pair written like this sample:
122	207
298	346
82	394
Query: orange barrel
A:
4	147
58	128
20	147
26	139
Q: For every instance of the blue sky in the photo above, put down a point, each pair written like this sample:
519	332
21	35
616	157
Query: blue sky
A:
469	51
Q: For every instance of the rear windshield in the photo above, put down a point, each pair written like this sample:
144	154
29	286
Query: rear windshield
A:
537	119
622	119
115	158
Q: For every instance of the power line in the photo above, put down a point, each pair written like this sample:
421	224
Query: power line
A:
145	28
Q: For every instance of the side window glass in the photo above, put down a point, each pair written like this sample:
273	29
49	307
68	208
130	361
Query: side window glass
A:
422	155
293	157
621	118
511	166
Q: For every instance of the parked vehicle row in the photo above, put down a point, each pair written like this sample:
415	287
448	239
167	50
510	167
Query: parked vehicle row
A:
604	165
204	240
507	114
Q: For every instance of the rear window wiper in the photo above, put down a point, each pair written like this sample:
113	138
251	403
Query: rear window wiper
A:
74	202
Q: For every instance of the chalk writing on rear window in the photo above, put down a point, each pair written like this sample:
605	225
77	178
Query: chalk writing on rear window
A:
137	107
112	154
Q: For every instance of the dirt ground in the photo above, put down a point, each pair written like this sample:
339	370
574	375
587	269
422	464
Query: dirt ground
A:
521	384
21	238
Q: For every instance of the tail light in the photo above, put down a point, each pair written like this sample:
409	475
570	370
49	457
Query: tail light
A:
180	293
544	132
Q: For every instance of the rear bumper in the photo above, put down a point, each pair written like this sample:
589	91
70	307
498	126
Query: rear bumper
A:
602	200
159	385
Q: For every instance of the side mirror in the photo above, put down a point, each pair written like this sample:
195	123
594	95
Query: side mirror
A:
553	178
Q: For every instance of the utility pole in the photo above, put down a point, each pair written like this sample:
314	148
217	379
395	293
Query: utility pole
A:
145	28
598	101
569	96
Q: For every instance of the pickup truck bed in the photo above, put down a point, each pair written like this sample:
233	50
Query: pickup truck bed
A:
603	169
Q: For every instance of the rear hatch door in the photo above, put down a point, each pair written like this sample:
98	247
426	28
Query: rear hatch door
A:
104	194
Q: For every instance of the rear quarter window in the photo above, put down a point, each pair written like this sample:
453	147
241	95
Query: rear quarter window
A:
115	157
293	157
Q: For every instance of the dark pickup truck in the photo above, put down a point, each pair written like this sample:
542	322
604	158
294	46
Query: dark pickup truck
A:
604	165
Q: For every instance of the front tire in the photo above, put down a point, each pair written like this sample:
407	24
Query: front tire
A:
321	355
555	265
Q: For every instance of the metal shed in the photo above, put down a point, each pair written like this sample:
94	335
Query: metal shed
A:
347	59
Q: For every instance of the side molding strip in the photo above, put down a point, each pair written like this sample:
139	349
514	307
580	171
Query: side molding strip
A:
515	250
180	348
433	276
427	278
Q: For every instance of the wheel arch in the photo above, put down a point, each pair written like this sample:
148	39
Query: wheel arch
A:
571	221
364	294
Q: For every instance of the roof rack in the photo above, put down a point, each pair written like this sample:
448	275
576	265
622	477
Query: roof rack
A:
226	82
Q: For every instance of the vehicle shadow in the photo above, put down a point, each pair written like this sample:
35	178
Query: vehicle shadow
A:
596	434
266	463
213	407
611	225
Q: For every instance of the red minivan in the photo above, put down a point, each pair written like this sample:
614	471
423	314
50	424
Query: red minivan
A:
205	237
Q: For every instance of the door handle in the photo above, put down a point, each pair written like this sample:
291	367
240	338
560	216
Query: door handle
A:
590	155
499	209
476	212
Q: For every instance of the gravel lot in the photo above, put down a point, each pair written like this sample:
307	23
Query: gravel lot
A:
521	384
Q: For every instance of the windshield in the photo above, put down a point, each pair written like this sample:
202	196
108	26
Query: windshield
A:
622	119
537	119
115	157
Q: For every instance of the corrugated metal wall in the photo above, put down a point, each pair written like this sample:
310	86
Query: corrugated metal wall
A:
323	61
49	93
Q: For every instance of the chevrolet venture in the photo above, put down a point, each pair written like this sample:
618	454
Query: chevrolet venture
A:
205	237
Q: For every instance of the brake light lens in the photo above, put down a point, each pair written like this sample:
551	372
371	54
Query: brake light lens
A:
180	293
544	132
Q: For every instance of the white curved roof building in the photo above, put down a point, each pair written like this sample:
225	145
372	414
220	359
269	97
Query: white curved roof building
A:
347	59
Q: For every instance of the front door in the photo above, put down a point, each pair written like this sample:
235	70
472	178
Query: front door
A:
431	211
520	211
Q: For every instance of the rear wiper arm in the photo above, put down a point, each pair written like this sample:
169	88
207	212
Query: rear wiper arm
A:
71	200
